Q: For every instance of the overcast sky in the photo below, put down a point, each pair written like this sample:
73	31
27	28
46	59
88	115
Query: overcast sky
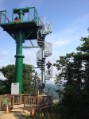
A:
69	19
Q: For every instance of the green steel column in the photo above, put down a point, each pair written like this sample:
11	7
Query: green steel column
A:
19	56
21	15
19	59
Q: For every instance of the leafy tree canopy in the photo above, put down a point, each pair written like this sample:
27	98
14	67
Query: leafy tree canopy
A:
9	73
74	67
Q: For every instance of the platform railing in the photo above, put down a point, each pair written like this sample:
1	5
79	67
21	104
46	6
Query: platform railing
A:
10	100
4	101
30	16
37	102
3	17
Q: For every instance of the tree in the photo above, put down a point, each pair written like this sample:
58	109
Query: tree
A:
84	48
74	67
9	73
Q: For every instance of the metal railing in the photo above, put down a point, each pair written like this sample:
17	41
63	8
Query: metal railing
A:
30	16
3	17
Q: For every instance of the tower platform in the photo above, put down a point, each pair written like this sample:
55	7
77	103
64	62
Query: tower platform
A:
24	19
29	28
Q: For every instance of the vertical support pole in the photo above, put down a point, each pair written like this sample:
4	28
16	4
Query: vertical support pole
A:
44	60
19	59
0	17
5	16
21	15
19	56
42	73
29	15
34	15
42	56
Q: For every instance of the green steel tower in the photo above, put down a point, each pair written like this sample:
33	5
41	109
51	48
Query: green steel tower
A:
22	27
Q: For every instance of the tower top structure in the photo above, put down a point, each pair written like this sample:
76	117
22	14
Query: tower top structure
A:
28	21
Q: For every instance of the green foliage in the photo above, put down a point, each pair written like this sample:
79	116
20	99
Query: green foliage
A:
3	85
9	73
75	103
74	67
85	46
27	79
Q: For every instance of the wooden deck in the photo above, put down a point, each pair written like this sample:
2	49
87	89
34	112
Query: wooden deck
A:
20	103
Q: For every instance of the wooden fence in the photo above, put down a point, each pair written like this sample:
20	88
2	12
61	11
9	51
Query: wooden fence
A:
10	100
36	103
